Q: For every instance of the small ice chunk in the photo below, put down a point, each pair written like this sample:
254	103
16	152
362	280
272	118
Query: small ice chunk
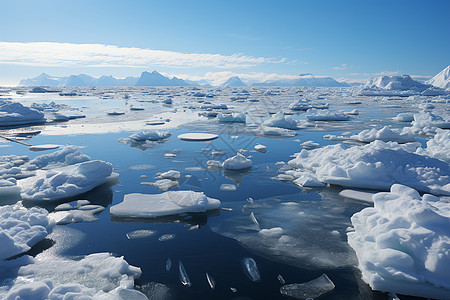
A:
163	184
311	289
194	169
166	237
281	279
43	147
150	135
171	174
281	121
260	148
326	115
214	163
168	264
228	187
306	179
253	218
232	118
197	136
211	282
310	145
251	269
184	278
272	232
237	162
140	234
170	155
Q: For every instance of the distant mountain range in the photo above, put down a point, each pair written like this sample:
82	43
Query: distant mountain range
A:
157	79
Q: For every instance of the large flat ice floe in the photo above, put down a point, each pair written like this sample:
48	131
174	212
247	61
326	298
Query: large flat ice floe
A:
377	166
165	204
66	181
403	243
22	228
14	114
96	276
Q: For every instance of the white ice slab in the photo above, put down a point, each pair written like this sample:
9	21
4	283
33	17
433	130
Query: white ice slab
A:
237	162
168	203
197	136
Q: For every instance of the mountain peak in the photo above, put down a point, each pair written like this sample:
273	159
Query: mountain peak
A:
233	81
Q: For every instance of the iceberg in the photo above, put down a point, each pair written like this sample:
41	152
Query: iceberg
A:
439	146
165	204
403	243
442	79
22	228
232	118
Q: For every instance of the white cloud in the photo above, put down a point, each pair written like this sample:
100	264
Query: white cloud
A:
99	55
342	67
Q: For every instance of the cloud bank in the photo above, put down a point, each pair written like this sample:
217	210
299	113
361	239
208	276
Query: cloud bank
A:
53	54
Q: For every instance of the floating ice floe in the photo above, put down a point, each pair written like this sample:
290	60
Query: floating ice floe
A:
15	114
75	212
326	115
68	155
193	136
276	131
404	117
237	162
384	134
260	148
227	187
139	234
232	118
66	181
357	195
171	174
402	243
377	166
96	276
308	290
251	269
281	121
163	184
165	204
150	135
43	147
304	104
22	228
427	123
184	278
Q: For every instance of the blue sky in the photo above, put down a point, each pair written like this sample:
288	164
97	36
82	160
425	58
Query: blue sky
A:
256	40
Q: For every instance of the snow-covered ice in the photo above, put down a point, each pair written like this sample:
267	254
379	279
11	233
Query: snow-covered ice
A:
237	162
14	114
168	203
402	243
260	148
314	114
377	166
150	135
384	134
281	121
232	117
22	228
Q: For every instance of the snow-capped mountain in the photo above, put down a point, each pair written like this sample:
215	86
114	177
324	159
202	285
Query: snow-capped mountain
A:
304	80
43	79
442	79
233	81
157	79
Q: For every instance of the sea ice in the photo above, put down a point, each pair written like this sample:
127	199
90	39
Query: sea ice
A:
237	162
171	174
139	234
168	203
43	147
439	146
357	195
227	187
232	118
22	228
281	121
260	148
184	278
150	135
83	213
96	276
251	269
402	243
304	104
308	290
14	114
193	136
66	181
314	114
163	184
384	134
276	131
68	155
377	166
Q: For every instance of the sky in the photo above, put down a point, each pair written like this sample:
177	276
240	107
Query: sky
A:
216	39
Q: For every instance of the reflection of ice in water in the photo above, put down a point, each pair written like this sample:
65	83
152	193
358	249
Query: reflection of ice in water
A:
299	229
311	289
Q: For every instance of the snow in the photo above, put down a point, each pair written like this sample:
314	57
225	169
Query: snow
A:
232	117
66	181
14	114
281	121
384	134
402	83
237	162
402	243
22	228
96	276
69	155
439	146
426	123
314	114
404	117
197	136
168	203
442	79
377	165
276	131
150	135
308	290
